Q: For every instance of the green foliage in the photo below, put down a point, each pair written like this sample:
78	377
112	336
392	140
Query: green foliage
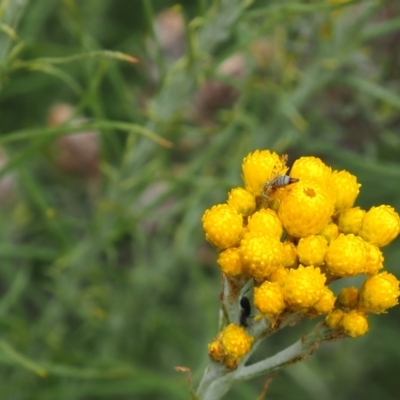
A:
106	280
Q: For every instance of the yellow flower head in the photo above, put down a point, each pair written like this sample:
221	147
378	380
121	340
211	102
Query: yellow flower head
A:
354	323
304	287
374	259
349	221
305	208
326	303
266	221
216	351
242	201
230	346
346	189
380	225
329	232
289	255
311	168
236	341
268	299
334	318
348	297
236	344
259	167
223	226
379	292
230	263
346	256
311	250
261	254
279	276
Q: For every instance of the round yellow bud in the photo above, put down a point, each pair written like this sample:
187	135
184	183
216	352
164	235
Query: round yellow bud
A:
349	221
374	259
311	250
235	341
303	287
379	292
261	254
223	226
326	303
268	299
236	344
329	232
259	167
242	201
334	318
266	221
346	256
289	255
305	208
230	263
346	189
348	297
354	323
311	168
380	225
279	276
216	351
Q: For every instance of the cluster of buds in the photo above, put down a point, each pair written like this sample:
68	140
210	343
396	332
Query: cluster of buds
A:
285	237
230	346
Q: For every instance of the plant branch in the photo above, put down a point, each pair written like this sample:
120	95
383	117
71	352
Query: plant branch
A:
298	351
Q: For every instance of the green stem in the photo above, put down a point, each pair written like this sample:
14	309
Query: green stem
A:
10	15
11	12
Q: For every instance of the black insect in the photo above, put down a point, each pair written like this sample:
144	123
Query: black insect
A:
245	312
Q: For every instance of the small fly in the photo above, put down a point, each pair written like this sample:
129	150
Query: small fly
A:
277	182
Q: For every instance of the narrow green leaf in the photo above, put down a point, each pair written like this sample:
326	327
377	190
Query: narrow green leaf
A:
20	360
373	89
92	125
9	31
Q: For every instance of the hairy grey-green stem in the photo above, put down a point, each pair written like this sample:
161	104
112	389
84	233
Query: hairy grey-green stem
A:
217	380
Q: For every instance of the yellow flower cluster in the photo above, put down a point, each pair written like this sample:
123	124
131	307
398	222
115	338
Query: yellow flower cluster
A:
378	293
230	346
294	234
353	323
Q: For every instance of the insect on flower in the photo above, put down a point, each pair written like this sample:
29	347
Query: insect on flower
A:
245	312
277	182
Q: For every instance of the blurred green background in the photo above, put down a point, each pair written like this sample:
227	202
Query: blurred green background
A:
106	281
